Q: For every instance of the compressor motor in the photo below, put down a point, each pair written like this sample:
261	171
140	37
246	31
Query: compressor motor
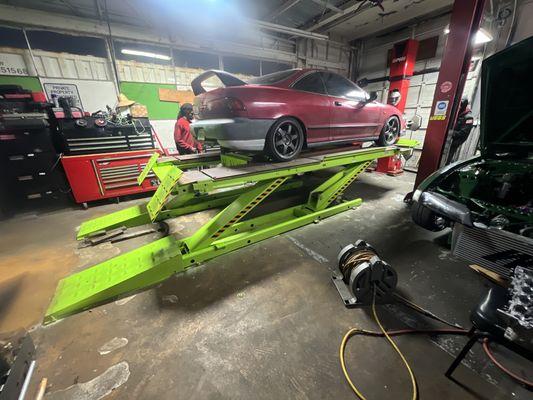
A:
361	272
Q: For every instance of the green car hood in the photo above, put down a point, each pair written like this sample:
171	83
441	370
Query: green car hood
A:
507	102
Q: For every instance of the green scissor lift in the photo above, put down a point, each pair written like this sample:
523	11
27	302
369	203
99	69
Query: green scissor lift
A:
237	189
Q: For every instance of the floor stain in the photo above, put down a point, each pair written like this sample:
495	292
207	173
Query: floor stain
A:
29	277
96	388
112	345
317	257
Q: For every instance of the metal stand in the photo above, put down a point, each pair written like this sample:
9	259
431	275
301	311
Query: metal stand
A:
238	189
473	337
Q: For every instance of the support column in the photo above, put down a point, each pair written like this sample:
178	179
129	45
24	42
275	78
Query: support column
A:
402	66
464	23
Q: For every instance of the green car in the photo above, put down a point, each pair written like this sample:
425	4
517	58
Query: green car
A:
494	189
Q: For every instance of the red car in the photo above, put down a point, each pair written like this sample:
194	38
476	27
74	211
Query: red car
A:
282	113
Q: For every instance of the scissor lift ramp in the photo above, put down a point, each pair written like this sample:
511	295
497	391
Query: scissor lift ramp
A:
238	190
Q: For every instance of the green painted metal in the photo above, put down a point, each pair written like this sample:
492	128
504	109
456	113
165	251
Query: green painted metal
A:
147	168
129	217
323	195
138	215
227	231
234	159
203	160
280	170
153	263
404	142
162	193
140	268
232	214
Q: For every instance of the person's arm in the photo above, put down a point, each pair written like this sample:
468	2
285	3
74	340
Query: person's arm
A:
198	146
463	129
178	136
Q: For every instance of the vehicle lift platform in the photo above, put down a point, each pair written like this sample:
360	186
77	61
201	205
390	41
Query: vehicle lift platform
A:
237	184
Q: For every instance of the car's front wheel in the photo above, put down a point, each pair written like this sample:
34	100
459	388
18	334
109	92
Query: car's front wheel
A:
284	140
390	132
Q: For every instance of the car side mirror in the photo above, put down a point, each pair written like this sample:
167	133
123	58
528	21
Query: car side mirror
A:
373	96
415	123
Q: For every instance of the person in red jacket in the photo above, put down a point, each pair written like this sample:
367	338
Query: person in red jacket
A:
185	142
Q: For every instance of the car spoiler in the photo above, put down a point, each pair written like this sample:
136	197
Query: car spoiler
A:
225	77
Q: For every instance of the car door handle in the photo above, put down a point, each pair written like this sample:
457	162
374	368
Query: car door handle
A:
338	103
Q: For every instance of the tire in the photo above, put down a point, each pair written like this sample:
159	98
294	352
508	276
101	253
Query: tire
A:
390	132
426	218
284	140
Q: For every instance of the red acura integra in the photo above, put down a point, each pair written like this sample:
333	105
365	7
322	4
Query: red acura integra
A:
282	113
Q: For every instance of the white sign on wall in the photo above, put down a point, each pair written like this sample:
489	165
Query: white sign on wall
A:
12	64
66	90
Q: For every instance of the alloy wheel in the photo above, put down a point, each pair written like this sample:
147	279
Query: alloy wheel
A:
287	140
391	130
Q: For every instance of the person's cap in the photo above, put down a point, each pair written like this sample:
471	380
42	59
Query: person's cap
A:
186	106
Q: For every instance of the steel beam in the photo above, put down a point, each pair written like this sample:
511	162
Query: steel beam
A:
349	11
288	30
282	8
328	5
464	22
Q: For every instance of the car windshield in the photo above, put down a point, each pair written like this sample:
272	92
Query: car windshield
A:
270	79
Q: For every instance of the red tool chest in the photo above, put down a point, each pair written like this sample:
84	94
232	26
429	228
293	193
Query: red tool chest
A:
100	176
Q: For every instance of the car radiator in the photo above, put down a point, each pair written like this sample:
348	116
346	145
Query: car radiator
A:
494	249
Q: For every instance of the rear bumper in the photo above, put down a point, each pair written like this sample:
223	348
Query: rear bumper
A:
234	133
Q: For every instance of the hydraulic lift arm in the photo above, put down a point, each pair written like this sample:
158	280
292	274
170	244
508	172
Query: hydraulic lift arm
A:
239	189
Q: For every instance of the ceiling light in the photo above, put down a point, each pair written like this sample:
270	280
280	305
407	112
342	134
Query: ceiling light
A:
481	36
145	54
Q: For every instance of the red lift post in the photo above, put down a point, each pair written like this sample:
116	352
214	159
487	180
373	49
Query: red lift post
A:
401	70
464	23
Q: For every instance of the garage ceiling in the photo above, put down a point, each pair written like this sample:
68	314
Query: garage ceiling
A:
346	19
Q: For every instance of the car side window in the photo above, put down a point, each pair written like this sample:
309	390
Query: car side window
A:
311	83
339	86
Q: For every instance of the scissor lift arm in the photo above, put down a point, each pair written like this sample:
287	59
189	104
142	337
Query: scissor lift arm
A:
239	190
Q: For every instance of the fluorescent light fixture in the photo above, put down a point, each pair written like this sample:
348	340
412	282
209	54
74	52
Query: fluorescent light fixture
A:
481	36
145	54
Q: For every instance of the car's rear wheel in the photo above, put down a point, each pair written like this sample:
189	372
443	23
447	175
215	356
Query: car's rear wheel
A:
284	140
390	132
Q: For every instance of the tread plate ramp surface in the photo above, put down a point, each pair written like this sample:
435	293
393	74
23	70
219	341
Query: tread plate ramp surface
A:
162	193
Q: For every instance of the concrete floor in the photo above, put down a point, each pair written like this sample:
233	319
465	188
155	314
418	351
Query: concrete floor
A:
264	322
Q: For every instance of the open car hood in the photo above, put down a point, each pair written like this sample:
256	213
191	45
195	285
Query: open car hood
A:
226	78
507	101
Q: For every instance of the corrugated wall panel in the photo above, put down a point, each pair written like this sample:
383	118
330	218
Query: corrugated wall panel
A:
85	69
68	68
